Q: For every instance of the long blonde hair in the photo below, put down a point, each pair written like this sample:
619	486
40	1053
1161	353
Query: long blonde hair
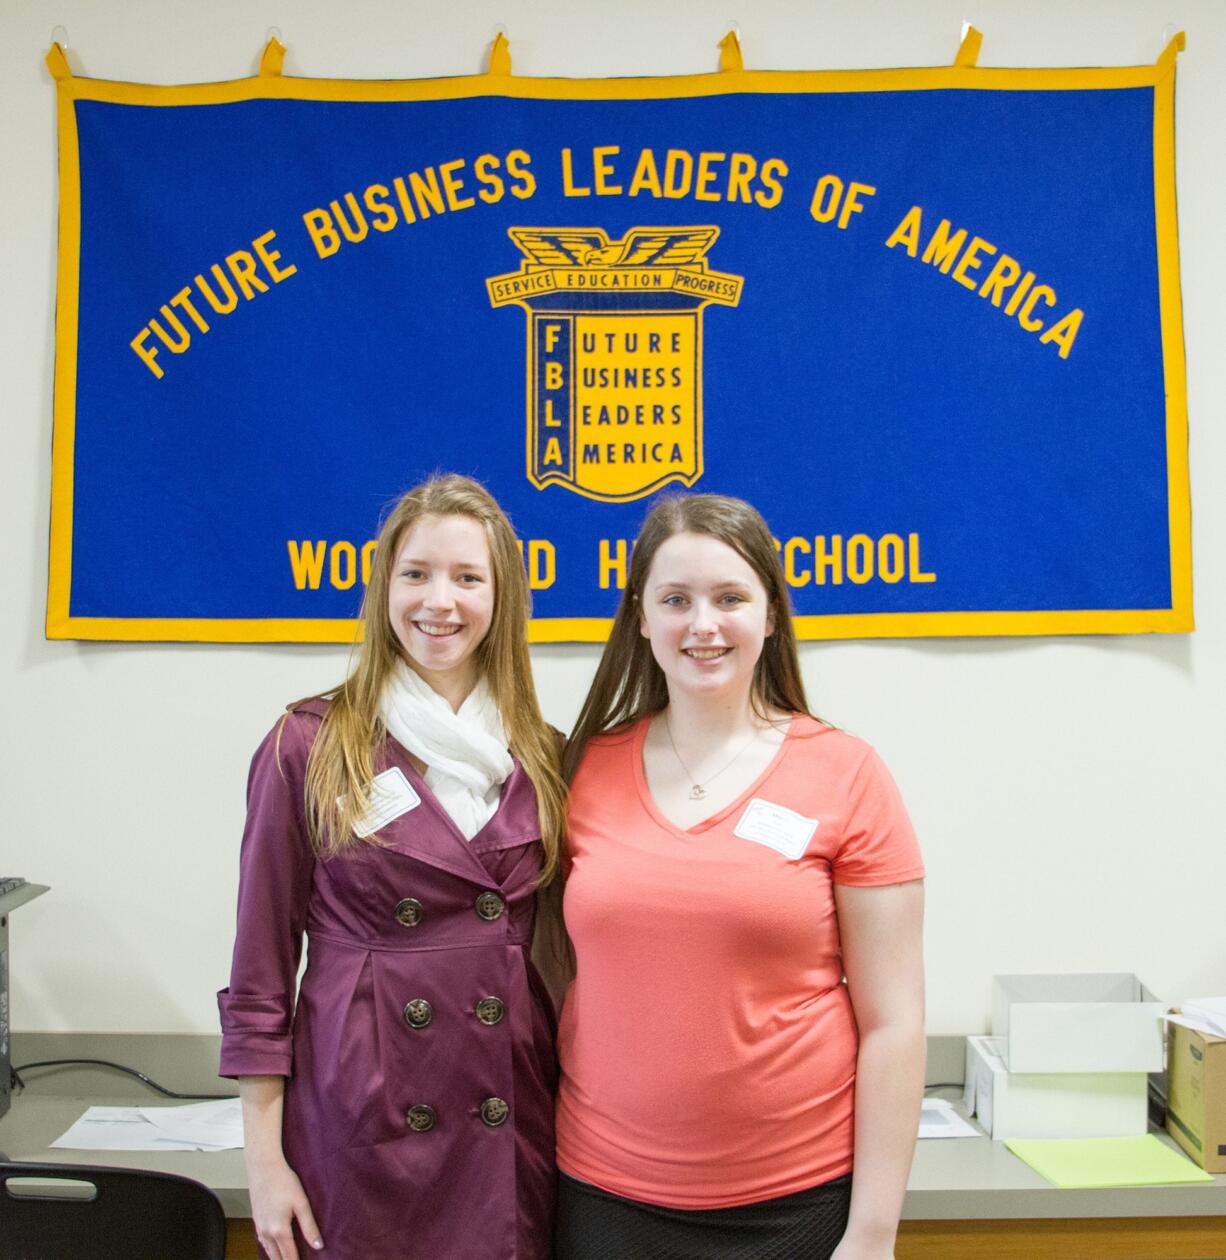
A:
629	683
340	768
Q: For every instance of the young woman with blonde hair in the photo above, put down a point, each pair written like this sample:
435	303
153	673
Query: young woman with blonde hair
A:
401	1103
732	860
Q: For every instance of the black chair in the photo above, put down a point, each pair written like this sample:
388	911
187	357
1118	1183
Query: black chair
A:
107	1214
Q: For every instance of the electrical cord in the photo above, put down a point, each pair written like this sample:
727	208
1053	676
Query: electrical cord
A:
170	1093
118	1067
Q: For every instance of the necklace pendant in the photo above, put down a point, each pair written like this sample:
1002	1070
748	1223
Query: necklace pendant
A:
697	792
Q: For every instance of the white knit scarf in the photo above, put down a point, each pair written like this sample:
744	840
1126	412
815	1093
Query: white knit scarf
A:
465	753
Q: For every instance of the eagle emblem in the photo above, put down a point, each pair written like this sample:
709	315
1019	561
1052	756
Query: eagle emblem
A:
614	354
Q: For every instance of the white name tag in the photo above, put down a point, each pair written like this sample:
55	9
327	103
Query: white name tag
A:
391	795
777	827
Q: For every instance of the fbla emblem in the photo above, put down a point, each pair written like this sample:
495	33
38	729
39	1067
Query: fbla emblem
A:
614	354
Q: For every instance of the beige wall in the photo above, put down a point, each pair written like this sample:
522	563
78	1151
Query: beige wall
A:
1069	792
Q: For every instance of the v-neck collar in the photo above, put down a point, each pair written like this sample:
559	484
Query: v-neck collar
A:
705	824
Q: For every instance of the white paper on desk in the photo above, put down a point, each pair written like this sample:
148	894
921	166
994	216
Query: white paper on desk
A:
117	1129
1203	1014
938	1119
208	1126
1210	1027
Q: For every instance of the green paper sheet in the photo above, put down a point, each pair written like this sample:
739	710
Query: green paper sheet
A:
1081	1163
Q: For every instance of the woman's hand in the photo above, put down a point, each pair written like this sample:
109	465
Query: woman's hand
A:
277	1197
277	1202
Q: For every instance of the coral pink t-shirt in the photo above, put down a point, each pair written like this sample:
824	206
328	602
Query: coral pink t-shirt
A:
707	1044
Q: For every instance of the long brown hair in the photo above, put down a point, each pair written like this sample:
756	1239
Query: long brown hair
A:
340	768
629	683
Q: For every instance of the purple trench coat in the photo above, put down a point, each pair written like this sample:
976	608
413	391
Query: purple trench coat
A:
418	1113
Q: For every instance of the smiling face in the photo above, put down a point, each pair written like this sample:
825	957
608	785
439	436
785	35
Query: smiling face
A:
707	615
440	601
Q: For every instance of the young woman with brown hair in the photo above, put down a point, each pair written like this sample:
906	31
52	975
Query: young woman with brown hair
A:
731	860
401	1104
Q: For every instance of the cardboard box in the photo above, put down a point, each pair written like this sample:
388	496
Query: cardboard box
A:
1098	1022
1051	1105
1196	1097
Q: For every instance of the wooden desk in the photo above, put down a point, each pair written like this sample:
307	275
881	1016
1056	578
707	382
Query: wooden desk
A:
968	1198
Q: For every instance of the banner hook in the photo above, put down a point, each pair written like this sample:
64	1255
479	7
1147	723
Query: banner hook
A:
730	59
56	60
500	52
1175	43
968	50
273	58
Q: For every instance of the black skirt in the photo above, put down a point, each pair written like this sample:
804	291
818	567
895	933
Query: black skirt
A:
596	1225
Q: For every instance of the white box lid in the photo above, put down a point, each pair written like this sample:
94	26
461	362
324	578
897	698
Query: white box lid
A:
1080	1022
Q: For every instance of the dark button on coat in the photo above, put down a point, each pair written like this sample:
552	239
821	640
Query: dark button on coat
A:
461	1190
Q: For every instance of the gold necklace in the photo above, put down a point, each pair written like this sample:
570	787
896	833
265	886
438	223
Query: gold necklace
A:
698	790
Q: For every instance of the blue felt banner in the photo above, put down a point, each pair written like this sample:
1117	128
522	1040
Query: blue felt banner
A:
927	321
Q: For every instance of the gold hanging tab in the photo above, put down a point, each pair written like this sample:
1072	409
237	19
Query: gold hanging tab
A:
968	50
730	59
273	58
500	55
57	63
1166	59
